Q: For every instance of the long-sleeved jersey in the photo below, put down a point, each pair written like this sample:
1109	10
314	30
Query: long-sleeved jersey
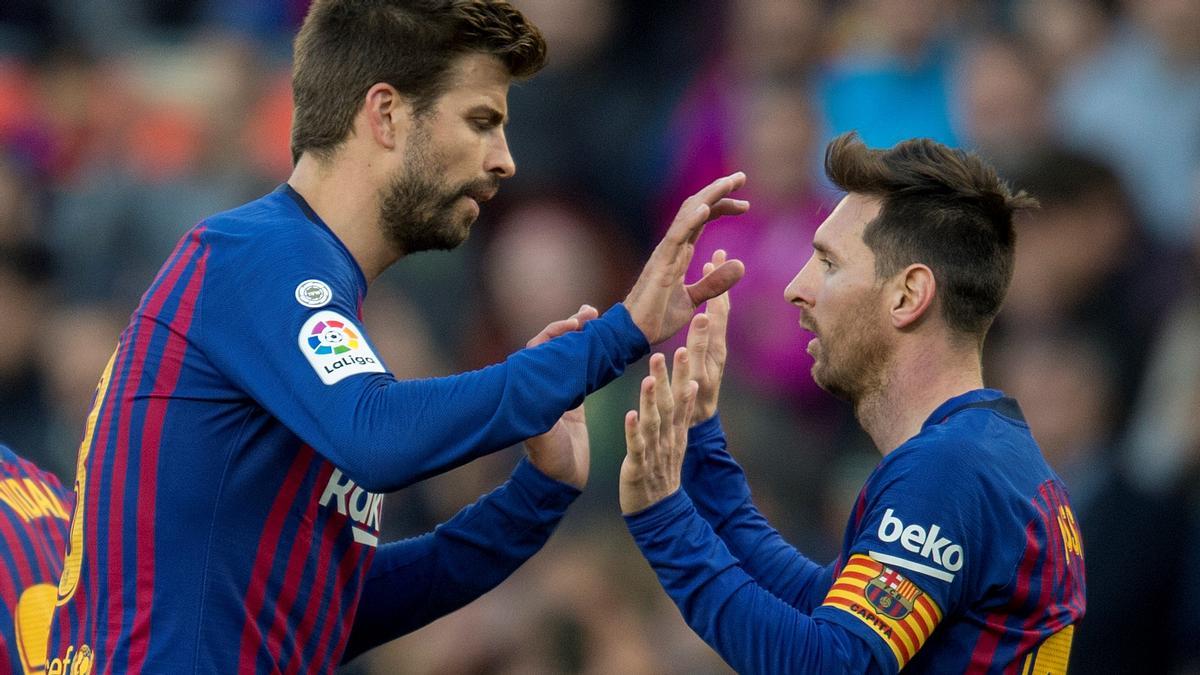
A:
415	581
961	555
230	473
34	508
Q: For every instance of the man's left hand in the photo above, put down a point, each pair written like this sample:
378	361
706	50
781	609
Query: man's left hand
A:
563	453
656	437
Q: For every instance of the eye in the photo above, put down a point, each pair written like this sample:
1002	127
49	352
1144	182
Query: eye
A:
826	262
484	123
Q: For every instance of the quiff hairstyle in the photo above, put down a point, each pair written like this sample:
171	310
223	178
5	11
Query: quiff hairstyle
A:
941	207
347	46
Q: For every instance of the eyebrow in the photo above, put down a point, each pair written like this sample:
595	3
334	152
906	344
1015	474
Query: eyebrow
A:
822	249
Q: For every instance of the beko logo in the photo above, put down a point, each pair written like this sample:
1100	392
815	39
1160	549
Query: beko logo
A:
924	542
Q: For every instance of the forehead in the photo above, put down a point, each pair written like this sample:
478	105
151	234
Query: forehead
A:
477	79
842	231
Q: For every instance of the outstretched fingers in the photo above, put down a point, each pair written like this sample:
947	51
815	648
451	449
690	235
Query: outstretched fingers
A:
685	408
633	439
726	207
717	308
705	205
563	326
680	375
663	398
697	345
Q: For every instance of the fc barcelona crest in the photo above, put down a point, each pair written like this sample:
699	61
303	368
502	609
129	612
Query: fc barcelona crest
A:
891	594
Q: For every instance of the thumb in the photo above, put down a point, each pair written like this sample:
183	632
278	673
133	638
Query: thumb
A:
716	282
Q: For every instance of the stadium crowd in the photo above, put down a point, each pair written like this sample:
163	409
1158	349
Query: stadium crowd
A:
122	124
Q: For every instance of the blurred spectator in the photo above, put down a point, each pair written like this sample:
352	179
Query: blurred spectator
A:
1062	33
891	77
591	120
271	23
1163	446
1137	104
768	47
1082	260
173	161
19	204
78	340
539	261
772	135
1164	433
26	270
27	27
1002	105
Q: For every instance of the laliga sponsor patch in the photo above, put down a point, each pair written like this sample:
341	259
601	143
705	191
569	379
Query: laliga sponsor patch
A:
314	293
889	603
335	348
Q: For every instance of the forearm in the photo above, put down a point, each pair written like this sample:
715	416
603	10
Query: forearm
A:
398	432
721	495
754	631
414	582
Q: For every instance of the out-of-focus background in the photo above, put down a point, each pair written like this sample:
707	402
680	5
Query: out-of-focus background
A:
124	122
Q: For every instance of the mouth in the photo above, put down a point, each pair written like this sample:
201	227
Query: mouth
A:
807	324
481	196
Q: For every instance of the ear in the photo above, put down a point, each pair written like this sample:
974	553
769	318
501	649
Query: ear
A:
913	294
387	115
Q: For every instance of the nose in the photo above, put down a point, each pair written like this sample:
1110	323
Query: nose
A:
798	291
499	161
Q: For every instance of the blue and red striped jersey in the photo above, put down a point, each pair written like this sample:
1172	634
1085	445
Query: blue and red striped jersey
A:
34	508
961	555
230	477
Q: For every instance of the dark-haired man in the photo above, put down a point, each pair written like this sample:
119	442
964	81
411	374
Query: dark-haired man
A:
231	474
961	554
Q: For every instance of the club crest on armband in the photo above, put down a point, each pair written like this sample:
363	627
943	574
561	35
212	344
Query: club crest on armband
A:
891	594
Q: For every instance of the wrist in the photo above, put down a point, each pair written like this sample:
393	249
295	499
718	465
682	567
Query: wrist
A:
632	507
548	488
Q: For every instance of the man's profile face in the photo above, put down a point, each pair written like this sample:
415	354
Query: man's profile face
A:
842	304
454	158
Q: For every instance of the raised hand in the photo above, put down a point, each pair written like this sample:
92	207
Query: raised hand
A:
707	350
563	453
660	303
656	437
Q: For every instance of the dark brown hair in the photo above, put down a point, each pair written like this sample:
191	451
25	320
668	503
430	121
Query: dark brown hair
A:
347	46
941	207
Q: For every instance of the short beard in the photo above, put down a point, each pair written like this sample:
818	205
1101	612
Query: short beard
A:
864	353
417	211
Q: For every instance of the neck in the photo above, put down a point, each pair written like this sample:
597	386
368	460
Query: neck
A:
914	385
343	194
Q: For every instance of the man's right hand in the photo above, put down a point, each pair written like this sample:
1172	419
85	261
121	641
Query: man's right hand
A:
660	303
707	350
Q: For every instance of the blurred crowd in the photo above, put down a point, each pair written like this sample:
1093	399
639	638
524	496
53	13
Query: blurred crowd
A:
123	123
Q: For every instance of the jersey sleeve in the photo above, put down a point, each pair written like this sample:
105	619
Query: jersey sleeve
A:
912	562
283	326
718	488
754	631
416	581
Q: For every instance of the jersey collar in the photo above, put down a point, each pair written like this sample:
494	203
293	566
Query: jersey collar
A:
312	216
992	399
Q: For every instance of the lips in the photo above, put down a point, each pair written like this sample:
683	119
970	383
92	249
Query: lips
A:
482	196
807	324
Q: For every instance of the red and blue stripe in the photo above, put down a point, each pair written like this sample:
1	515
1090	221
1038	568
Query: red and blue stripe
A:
1047	596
